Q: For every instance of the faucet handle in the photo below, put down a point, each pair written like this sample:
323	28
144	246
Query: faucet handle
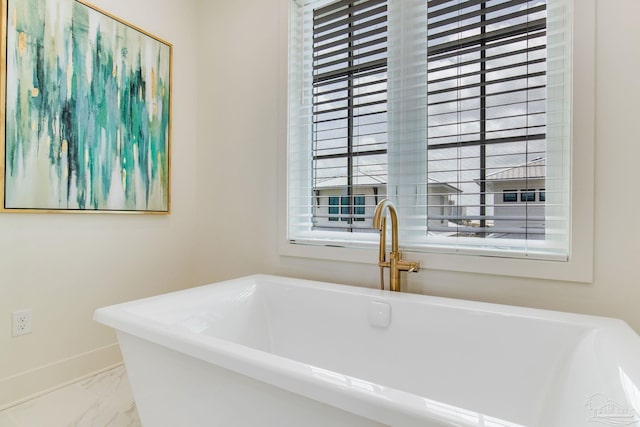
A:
408	266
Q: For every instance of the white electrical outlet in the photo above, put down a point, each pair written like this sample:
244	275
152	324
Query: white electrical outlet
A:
21	322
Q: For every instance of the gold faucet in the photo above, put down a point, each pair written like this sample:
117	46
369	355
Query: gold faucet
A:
395	263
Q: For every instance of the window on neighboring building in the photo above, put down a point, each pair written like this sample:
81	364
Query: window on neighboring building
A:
436	102
543	196
359	212
528	195
345	209
509	196
341	209
334	208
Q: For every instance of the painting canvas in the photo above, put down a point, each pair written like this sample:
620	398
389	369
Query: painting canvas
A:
86	103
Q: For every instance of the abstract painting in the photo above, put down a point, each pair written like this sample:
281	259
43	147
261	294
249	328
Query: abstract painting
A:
86	111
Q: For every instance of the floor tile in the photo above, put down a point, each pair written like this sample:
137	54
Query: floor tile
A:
104	400
56	409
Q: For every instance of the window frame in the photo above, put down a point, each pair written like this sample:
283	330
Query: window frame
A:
578	267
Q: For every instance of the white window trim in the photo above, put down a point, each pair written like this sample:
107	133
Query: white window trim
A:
578	267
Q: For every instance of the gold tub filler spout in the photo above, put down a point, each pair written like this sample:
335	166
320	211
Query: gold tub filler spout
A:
395	264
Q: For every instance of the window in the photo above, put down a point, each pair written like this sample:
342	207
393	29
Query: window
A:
359	208
528	195
349	110
438	105
509	196
543	196
340	209
334	208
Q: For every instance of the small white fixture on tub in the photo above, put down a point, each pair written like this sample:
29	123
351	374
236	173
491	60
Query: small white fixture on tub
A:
274	351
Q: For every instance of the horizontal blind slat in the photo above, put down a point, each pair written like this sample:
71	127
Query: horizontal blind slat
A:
328	87
360	68
489	83
485	23
353	14
351	39
350	59
321	56
491	44
502	33
339	6
491	70
487	58
505	92
479	12
349	29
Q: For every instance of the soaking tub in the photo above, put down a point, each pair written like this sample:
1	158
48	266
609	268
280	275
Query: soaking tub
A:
275	351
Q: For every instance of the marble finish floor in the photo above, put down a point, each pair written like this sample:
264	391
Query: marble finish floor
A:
104	400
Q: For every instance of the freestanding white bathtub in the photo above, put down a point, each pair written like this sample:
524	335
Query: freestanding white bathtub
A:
274	351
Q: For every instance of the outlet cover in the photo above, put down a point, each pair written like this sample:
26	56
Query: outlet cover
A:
21	322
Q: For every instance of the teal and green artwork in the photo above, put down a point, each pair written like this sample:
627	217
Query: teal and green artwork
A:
87	101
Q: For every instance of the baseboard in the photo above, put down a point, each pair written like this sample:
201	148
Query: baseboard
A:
30	384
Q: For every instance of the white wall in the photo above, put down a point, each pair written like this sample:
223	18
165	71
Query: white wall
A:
246	66
240	94
65	266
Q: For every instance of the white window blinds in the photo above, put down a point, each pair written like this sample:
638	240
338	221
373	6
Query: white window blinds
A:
457	110
349	106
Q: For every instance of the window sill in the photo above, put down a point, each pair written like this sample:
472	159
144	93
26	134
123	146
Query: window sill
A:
577	269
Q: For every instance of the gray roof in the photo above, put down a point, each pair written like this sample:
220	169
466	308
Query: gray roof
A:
531	170
372	176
